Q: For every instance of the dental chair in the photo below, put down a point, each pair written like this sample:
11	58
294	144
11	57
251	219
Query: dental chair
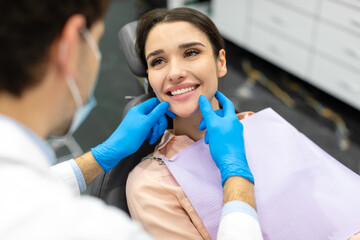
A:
110	187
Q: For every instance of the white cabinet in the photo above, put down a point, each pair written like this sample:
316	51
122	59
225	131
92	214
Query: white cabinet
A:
277	19
303	6
232	17
316	40
341	15
338	81
339	45
351	3
286	55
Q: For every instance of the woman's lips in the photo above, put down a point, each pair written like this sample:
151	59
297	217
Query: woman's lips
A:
180	87
182	92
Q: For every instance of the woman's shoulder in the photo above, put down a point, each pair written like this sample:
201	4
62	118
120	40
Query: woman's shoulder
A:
150	171
243	115
149	179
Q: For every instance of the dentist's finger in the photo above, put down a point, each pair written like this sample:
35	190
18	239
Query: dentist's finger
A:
158	129
149	135
206	139
227	105
154	136
170	114
206	108
147	106
163	123
202	125
158	112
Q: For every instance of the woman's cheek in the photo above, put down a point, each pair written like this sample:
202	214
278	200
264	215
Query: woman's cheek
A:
212	91
155	85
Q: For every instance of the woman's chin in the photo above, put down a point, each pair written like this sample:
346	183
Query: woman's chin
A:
185	113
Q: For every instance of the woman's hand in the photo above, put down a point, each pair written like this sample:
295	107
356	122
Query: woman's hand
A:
225	138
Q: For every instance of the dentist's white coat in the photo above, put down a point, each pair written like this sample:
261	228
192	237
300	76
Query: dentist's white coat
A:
35	204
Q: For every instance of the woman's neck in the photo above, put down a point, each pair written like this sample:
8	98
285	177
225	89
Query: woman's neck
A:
189	126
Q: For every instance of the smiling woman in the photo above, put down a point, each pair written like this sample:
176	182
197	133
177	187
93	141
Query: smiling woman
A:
184	55
182	65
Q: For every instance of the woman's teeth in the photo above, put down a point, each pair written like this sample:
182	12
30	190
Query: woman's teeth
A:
181	91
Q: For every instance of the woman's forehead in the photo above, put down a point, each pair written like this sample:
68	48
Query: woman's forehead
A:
173	34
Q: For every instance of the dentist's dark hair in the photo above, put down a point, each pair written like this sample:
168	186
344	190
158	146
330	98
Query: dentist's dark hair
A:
27	30
160	15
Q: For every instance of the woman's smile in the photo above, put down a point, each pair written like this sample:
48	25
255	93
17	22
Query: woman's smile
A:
182	91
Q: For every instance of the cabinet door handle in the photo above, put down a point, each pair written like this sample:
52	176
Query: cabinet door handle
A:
352	53
355	23
346	85
278	20
273	49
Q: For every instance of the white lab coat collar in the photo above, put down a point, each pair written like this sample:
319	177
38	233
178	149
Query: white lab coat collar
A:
22	146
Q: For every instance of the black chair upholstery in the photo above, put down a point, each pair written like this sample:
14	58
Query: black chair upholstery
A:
127	39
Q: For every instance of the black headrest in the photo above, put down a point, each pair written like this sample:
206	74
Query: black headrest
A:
127	39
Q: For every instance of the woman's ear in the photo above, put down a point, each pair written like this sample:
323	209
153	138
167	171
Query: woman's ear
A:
221	63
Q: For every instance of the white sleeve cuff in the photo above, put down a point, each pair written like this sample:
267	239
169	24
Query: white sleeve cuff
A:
238	206
79	176
239	221
69	173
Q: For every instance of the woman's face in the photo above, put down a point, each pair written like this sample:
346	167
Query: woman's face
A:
182	66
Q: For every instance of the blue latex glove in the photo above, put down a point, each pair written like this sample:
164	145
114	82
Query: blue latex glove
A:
144	121
225	138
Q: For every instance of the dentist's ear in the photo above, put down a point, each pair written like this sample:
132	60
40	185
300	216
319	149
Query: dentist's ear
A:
63	48
68	44
221	63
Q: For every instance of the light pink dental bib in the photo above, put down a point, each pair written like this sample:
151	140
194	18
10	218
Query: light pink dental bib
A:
301	192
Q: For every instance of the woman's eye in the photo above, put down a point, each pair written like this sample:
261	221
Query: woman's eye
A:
191	53
156	62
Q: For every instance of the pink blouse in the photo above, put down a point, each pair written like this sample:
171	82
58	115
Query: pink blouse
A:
157	201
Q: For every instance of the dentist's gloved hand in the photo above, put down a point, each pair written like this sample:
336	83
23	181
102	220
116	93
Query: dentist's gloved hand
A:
225	138
144	121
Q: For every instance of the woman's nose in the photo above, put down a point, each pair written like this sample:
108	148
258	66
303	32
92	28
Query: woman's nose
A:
176	72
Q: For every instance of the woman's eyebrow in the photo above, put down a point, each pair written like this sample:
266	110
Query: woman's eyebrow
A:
190	44
181	46
154	53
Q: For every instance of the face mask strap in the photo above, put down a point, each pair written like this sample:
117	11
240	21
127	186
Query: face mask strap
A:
70	82
74	91
90	40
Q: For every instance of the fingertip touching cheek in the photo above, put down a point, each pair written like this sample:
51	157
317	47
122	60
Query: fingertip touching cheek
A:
181	66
